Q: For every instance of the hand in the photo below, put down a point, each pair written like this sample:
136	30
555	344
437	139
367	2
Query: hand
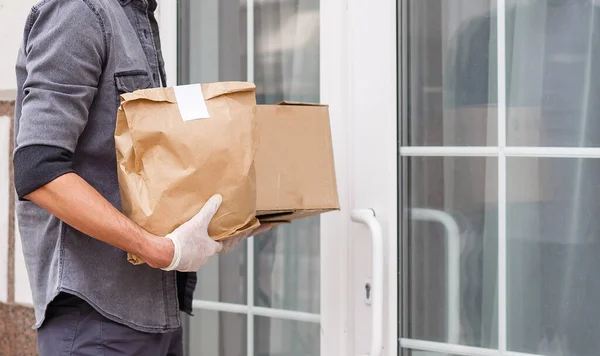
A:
192	245
231	242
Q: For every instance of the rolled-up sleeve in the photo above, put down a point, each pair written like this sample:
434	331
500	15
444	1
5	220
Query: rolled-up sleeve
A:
63	52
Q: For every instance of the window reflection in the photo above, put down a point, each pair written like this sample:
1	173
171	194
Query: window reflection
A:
451	235
451	84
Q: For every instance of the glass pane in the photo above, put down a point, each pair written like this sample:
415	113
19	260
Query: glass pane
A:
217	334
553	247
450	71
287	267
212	41
276	337
286	67
553	73
450	242
224	277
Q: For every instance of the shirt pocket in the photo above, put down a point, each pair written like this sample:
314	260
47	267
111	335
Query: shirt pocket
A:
130	81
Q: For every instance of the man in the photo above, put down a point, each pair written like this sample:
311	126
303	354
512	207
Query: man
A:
77	57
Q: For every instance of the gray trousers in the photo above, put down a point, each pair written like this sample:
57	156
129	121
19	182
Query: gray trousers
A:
73	327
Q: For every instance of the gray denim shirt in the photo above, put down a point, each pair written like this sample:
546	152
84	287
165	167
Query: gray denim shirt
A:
77	56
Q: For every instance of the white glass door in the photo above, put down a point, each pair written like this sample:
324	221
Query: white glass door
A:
482	170
499	151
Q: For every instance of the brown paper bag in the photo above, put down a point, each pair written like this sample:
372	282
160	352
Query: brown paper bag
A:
176	147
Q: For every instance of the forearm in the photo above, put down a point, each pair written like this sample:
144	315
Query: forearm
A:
74	201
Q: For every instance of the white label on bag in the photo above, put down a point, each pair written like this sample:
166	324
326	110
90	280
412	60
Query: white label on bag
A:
191	102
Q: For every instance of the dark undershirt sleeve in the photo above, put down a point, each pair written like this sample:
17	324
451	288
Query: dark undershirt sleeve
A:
186	285
38	165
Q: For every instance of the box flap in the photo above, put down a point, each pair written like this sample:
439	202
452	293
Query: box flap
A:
288	216
298	103
268	214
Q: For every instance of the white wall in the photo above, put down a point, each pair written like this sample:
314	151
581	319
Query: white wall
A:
4	191
13	14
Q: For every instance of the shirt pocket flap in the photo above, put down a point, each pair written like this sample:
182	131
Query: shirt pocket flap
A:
130	81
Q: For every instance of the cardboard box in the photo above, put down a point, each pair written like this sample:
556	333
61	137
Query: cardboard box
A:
295	173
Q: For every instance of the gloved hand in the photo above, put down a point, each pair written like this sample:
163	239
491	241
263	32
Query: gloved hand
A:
193	246
231	242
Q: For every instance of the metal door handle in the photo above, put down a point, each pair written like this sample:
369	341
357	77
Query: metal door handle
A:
367	217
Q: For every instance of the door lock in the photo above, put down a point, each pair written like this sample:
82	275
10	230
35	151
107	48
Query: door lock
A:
368	290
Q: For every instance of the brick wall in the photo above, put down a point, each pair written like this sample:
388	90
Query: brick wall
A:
16	336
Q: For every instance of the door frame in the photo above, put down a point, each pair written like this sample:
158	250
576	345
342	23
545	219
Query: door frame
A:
359	81
374	132
335	227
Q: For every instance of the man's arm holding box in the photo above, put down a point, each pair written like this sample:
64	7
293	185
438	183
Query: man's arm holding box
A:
64	52
74	201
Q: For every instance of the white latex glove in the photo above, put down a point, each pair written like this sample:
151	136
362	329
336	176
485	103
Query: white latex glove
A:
193	246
